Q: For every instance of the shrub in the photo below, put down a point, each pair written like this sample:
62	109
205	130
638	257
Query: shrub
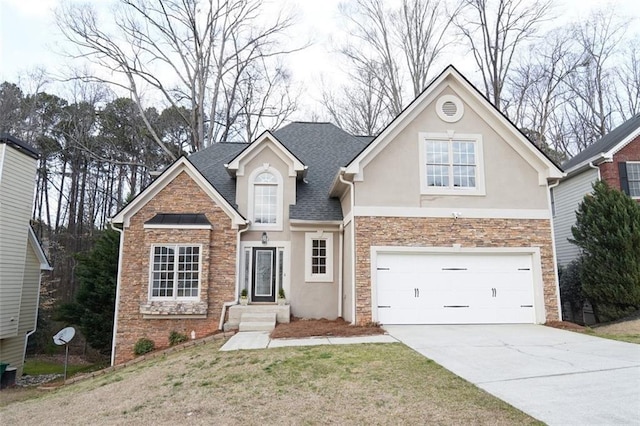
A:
608	232
176	338
143	346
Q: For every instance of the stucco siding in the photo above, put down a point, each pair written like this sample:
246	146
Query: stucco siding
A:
16	197
312	299
393	177
266	156
567	197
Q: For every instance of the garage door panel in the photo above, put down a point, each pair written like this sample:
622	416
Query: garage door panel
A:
456	288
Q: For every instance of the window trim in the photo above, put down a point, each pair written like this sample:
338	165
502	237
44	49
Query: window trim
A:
174	298
266	168
308	274
636	163
449	137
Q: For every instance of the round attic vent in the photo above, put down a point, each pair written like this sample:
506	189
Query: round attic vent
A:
449	108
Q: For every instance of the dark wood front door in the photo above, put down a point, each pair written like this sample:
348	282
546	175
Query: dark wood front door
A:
263	280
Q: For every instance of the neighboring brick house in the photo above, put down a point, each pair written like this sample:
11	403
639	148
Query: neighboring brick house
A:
615	159
442	218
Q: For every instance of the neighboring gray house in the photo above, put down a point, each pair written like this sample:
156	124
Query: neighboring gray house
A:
21	257
615	158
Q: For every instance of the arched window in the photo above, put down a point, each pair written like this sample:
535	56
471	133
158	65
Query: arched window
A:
265	199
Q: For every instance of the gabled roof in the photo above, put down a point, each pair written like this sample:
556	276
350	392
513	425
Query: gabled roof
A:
37	248
182	164
21	146
236	168
605	147
322	146
532	154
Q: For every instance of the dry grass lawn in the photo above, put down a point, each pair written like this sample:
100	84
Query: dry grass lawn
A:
354	384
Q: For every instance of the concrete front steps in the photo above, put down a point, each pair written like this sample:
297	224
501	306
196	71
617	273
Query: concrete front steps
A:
257	321
256	317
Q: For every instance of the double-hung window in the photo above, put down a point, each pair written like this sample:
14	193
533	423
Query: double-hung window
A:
175	272
633	178
451	165
319	257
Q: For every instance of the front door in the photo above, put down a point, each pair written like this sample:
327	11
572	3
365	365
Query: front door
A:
263	280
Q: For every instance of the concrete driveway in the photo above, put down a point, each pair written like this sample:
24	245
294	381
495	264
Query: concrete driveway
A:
556	376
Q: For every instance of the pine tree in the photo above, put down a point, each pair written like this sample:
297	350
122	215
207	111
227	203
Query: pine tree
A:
94	305
607	231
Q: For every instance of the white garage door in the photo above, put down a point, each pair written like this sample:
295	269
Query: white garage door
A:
454	288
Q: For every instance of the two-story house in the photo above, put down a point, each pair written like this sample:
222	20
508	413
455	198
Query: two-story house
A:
444	217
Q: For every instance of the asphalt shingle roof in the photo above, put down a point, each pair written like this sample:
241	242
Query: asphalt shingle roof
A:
322	147
605	143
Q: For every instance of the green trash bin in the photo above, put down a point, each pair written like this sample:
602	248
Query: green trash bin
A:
3	367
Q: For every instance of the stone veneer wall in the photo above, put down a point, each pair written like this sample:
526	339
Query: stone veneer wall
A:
444	232
217	282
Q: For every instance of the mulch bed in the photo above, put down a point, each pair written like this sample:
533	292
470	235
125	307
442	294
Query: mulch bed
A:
299	328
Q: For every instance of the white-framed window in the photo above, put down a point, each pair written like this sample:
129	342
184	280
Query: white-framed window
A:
265	198
175	272
451	164
633	178
318	256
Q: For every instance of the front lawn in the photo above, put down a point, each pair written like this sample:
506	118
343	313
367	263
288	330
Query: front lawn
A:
351	384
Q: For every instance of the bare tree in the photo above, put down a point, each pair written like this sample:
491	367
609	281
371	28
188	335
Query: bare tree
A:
193	54
591	101
358	108
627	96
536	87
389	51
494	30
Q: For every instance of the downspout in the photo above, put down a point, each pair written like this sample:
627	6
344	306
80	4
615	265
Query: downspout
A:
340	268
118	280
35	322
555	255
353	244
591	165
225	305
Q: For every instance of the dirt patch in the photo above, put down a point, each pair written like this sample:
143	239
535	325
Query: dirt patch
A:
625	327
299	328
565	325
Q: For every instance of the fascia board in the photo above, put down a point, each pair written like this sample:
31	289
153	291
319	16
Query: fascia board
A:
181	164
296	166
42	258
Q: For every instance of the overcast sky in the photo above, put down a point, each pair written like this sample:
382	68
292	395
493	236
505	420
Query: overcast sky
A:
29	37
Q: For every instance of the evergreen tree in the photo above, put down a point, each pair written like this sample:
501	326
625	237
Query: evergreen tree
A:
94	305
608	232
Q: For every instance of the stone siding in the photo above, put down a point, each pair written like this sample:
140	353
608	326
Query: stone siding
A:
444	232
137	316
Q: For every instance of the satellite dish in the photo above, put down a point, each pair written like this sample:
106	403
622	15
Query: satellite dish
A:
64	336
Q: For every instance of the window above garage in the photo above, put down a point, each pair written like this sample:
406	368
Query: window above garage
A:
451	164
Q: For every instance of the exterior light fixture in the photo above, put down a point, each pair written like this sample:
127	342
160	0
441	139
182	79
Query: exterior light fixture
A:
265	238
